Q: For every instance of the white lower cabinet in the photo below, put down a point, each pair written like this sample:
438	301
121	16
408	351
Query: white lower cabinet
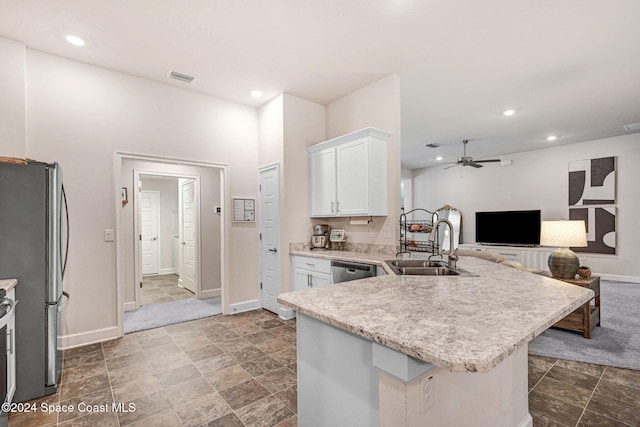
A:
310	272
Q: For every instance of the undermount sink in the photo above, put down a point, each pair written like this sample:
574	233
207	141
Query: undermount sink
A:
411	267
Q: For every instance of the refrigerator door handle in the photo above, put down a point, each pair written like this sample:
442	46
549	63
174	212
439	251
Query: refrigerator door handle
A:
62	305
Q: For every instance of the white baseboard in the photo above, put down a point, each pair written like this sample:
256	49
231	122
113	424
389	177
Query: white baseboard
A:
210	293
244	306
129	306
170	270
287	313
619	278
66	342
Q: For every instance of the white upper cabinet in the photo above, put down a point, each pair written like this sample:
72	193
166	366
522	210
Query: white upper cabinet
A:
348	175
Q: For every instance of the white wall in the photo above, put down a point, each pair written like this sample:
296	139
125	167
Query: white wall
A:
12	101
168	227
287	126
539	180
377	105
80	115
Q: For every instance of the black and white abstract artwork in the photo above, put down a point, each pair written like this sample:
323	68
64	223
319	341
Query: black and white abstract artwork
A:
592	182
601	228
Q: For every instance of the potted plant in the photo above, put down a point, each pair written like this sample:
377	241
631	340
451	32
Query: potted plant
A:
584	271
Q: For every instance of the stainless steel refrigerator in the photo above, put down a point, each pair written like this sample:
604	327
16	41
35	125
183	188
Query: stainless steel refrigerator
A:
32	250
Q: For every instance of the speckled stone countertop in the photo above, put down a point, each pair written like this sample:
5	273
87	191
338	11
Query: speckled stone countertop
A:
462	324
8	284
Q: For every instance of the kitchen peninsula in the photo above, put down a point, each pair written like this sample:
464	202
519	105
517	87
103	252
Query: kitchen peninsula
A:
424	350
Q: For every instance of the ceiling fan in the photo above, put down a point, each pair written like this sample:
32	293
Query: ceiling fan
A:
468	161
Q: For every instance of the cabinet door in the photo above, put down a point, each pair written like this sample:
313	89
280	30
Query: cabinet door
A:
319	280
353	178
301	279
322	182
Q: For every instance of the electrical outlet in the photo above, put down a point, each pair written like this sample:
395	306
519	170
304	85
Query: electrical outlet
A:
386	232
108	235
372	232
426	393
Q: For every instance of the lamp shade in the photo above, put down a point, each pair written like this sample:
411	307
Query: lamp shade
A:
563	234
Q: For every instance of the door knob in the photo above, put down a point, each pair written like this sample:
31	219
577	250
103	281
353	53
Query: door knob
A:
154	238
274	250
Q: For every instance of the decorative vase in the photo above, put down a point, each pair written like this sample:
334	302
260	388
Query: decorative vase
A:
584	273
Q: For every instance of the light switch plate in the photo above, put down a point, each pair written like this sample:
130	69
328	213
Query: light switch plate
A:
108	235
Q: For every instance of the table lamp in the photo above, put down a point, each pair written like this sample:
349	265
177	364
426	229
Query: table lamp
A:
563	262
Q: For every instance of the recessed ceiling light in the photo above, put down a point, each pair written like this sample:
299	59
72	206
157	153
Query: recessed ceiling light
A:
439	158
509	112
256	93
551	138
75	40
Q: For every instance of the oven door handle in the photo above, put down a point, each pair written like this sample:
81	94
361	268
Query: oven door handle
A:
64	304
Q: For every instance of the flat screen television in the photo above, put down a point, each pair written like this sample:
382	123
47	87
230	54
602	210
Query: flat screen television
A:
516	228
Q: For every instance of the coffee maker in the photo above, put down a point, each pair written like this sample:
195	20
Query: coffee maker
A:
320	237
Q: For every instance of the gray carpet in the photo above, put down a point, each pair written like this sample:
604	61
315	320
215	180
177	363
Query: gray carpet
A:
616	342
168	313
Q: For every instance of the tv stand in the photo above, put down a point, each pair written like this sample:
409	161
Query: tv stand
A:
530	257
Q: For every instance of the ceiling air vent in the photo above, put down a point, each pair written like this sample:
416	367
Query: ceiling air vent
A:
181	76
633	127
432	145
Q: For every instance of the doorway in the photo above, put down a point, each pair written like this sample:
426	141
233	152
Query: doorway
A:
205	190
160	249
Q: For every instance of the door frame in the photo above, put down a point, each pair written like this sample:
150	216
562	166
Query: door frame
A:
261	169
225	229
137	184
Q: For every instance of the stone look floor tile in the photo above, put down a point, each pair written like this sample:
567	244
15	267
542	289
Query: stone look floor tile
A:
144	407
228	377
243	394
591	419
102	398
178	375
153	369
265	412
229	420
199	411
85	386
278	379
166	418
567	392
289	397
614	409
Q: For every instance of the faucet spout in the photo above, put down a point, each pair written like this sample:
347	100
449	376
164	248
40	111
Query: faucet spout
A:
453	253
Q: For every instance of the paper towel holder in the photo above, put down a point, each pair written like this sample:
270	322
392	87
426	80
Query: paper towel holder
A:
360	221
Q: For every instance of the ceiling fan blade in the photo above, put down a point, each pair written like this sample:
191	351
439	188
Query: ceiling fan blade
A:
449	167
474	164
487	161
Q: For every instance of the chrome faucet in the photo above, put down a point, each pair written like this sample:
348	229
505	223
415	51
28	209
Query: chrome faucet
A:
453	253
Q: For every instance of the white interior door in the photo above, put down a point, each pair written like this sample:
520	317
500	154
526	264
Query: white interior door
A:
188	233
149	225
269	225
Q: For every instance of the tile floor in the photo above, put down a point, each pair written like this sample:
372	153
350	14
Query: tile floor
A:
235	370
566	393
240	370
163	288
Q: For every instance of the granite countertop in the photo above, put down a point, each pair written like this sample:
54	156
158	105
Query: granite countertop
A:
8	284
462	324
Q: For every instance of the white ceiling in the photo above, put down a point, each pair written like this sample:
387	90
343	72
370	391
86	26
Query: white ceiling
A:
568	67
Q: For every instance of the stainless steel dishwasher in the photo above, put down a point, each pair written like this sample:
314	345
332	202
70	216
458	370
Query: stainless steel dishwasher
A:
344	271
